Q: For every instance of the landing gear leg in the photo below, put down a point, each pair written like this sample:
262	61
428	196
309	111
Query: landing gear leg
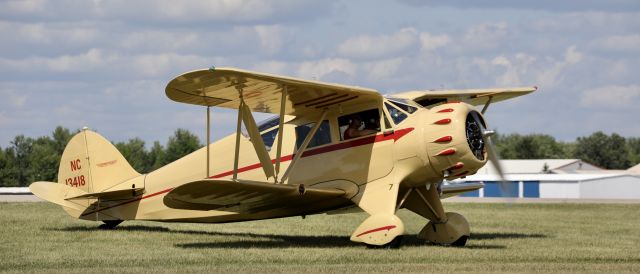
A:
454	231
109	224
383	229
448	228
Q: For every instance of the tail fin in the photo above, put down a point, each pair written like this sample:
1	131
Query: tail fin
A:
92	164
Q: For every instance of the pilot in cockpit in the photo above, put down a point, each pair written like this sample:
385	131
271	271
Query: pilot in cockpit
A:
354	130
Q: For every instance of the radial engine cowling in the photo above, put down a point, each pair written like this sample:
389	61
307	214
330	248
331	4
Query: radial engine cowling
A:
455	144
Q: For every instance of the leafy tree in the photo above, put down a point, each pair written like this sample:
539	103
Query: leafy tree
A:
18	153
534	146
4	167
43	159
156	156
135	153
180	144
603	150
61	137
633	145
9	173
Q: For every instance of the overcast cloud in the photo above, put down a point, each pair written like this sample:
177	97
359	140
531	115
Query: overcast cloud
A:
104	64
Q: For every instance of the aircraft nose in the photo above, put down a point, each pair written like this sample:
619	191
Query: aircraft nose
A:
454	137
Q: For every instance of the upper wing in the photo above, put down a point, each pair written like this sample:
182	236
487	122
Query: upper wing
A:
244	196
261	92
471	96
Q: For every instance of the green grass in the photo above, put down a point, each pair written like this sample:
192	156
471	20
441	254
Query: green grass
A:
40	237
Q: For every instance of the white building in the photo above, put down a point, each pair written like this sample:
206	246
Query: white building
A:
548	178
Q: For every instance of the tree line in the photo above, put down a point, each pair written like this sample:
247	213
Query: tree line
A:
28	159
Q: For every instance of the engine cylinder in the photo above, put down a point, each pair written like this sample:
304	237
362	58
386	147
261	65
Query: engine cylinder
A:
454	140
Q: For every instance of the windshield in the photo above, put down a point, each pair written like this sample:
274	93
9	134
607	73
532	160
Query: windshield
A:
268	123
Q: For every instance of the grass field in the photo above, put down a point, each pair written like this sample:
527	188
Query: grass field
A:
40	237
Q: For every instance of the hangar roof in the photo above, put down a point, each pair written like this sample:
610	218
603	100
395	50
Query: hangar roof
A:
538	166
545	177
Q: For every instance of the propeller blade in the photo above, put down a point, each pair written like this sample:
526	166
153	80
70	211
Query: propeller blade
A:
492	154
495	160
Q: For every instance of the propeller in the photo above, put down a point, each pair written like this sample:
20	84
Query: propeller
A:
491	150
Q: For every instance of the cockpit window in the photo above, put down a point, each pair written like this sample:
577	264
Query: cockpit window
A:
396	115
269	138
269	123
322	136
401	103
359	124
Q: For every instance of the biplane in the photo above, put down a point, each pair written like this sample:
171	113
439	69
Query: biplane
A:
328	148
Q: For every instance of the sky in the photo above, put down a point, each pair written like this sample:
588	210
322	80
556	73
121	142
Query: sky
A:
105	64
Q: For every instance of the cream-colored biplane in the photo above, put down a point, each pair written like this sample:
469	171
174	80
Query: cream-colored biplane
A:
328	149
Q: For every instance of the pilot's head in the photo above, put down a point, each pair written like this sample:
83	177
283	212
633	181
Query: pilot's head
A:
356	120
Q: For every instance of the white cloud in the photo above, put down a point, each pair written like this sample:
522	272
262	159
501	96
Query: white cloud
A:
14	98
383	69
371	47
97	61
160	64
551	76
547	5
620	43
318	69
485	35
163	11
24	6
506	70
259	39
274	67
271	37
612	96
49	34
93	58
572	56
160	39
432	42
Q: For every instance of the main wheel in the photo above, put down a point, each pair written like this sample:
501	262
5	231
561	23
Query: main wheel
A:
110	224
394	244
460	242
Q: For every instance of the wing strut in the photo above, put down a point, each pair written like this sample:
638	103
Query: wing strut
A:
245	116
208	136
280	130
486	105
238	129
304	145
256	140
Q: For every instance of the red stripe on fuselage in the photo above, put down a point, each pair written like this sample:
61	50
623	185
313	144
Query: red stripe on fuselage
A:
389	227
396	135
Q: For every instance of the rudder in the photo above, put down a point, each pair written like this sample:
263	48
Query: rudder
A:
91	163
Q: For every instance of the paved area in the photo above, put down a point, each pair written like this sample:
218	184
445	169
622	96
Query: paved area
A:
19	198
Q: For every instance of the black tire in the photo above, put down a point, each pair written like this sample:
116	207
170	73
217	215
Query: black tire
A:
396	243
111	224
460	242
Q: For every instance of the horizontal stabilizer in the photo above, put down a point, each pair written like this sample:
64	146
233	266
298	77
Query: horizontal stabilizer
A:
455	189
55	193
244	196
118	194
